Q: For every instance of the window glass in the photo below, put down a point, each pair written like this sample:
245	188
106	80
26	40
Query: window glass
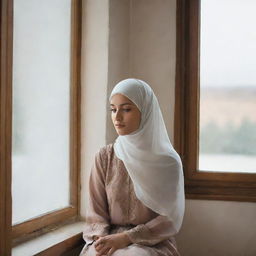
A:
228	86
41	107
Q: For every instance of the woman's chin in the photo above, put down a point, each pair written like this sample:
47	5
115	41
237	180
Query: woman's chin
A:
122	132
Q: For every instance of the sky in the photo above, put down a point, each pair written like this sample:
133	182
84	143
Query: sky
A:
228	43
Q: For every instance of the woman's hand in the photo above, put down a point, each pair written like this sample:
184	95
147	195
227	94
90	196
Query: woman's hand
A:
108	244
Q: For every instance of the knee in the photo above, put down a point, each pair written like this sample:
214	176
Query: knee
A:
132	250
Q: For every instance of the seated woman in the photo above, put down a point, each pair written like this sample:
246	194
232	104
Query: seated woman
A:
136	187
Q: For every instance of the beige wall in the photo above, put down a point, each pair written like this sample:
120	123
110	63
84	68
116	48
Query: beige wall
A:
94	79
136	38
218	228
119	57
152	50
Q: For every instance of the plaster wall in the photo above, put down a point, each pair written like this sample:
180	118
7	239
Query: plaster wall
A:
94	80
119	52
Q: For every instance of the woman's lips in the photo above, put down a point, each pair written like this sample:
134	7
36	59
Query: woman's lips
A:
120	126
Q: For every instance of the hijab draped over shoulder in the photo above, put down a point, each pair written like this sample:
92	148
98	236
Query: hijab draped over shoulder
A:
149	157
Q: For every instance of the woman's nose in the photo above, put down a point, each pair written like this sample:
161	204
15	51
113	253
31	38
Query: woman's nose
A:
118	115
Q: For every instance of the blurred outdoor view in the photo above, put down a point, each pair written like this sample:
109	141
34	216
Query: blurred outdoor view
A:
228	86
228	129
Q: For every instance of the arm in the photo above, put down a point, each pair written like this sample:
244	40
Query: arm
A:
97	218
153	232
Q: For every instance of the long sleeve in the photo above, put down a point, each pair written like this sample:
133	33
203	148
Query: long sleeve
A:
97	218
152	232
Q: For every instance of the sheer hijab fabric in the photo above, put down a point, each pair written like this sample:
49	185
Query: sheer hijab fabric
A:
149	157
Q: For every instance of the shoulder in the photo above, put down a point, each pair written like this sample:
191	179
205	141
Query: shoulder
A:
106	150
105	153
102	160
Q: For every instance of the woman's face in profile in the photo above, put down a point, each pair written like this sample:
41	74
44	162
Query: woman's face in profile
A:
125	114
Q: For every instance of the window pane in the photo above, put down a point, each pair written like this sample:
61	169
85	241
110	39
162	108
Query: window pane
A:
228	86
41	92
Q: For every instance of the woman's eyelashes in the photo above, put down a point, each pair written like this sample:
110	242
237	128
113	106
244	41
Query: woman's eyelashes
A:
124	109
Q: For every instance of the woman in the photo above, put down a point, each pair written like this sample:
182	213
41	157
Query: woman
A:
136	187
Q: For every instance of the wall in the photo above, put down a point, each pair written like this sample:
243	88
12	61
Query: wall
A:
153	50
119	57
216	228
94	80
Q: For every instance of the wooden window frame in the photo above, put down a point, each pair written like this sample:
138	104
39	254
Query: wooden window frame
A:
45	222
5	126
198	184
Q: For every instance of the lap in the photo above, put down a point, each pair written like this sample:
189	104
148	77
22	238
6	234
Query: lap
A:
132	250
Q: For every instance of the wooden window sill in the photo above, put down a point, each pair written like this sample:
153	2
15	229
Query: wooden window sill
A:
56	242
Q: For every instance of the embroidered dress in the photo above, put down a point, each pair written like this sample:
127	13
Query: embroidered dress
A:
114	208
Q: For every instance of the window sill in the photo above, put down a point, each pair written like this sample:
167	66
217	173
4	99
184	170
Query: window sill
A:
57	241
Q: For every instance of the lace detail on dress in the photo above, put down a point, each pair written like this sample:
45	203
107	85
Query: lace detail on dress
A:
139	233
104	158
120	190
117	181
134	202
96	226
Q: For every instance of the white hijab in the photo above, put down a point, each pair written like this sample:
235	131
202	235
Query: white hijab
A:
149	157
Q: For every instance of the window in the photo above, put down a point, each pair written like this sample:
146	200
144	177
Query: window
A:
215	123
40	113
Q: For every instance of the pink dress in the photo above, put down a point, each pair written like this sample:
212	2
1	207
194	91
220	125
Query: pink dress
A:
114	208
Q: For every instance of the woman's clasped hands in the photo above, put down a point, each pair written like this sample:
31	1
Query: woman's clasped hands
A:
107	245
